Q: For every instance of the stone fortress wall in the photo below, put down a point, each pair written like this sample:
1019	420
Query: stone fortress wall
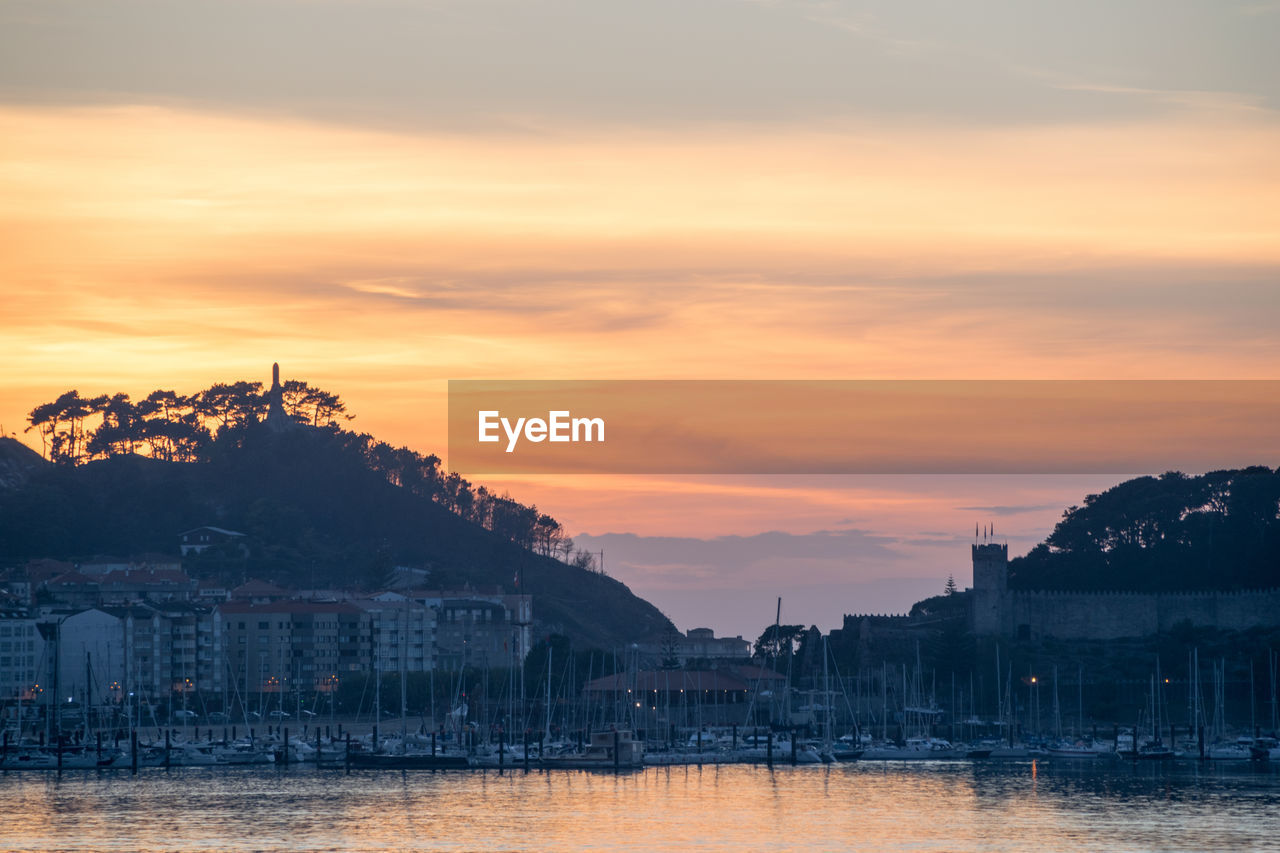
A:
998	611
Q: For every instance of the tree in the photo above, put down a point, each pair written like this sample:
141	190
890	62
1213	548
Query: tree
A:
584	560
310	405
670	649
231	406
173	427
120	431
61	425
950	588
159	410
1172	532
44	419
778	641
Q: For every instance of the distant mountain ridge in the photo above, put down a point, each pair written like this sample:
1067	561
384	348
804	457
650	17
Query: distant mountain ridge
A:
315	513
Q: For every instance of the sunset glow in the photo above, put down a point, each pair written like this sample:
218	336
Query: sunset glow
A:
378	242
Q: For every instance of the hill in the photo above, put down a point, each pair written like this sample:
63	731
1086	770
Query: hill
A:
17	461
316	512
1219	530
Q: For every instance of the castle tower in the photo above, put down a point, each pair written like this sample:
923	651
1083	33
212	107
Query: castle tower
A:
991	567
276	418
990	587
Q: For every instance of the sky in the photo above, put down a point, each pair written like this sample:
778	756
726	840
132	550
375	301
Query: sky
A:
383	196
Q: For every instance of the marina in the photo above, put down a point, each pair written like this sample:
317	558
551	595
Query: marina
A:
612	749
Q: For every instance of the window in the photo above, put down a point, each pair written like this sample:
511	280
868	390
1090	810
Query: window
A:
264	626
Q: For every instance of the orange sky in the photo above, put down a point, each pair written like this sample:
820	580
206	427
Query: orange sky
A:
176	238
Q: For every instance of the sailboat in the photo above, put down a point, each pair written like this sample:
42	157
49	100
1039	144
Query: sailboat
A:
616	749
401	755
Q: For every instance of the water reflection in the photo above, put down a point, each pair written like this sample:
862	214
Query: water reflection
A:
885	806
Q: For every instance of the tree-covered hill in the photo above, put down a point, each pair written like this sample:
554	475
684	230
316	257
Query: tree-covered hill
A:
17	461
1219	530
321	507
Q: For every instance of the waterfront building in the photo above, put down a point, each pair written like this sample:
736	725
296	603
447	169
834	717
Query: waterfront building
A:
403	633
22	652
279	647
481	630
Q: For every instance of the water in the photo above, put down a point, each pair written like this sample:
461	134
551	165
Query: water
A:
868	806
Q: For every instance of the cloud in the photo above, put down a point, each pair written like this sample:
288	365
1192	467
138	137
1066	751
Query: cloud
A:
730	582
1008	510
685	562
511	66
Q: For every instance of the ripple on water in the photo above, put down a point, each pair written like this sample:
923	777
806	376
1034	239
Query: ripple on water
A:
886	806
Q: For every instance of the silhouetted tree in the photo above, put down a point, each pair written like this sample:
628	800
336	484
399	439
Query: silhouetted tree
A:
670	649
778	641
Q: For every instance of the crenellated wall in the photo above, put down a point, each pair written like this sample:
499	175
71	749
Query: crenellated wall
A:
999	611
1111	615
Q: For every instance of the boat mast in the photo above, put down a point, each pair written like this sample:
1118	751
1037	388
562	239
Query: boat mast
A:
1057	708
404	651
57	665
377	681
826	697
546	736
776	651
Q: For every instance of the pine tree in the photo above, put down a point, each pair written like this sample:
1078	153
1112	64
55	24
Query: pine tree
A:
950	588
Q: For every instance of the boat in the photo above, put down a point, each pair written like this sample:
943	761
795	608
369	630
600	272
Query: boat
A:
1239	750
1151	750
1265	749
1085	749
89	759
30	760
505	755
243	752
915	749
77	758
846	749
407	761
607	750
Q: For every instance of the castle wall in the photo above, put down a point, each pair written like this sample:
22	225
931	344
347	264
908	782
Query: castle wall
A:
1111	615
1232	610
998	611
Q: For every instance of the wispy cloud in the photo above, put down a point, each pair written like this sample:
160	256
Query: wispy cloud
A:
1008	510
517	66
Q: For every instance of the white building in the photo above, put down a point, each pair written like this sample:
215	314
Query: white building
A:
91	656
21	657
403	631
